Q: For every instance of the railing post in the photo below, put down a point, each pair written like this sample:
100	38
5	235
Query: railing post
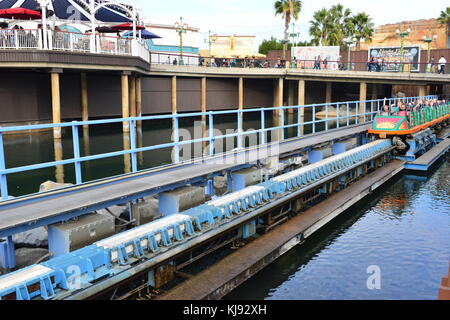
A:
40	40
134	166
16	38
3	179
263	127
240	126
348	114
176	138
314	119
338	116
71	41
76	153
50	39
283	122
326	117
211	134
371	110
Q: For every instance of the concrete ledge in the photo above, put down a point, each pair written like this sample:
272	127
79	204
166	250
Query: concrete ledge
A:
63	59
301	74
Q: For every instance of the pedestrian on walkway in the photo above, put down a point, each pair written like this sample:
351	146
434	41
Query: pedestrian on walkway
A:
442	63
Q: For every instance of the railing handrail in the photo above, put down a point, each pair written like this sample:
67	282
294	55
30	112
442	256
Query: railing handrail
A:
77	160
187	115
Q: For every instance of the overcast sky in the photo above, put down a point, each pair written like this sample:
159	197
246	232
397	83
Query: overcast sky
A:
256	17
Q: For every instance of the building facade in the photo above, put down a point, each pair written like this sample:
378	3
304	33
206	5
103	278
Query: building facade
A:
168	46
234	46
387	36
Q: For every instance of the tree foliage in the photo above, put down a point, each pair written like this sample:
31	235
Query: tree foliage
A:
289	10
330	27
275	44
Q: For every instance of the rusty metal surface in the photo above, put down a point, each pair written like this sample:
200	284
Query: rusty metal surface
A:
233	270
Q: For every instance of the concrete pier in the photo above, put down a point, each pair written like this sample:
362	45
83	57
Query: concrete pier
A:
56	102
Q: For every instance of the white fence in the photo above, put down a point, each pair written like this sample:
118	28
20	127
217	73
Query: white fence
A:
20	39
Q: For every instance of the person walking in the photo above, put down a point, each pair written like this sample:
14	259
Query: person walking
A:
442	63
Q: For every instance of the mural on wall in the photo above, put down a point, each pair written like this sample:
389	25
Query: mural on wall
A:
307	55
393	56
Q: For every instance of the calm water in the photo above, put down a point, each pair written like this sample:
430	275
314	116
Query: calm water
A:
404	229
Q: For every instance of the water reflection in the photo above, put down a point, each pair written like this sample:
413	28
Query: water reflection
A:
403	229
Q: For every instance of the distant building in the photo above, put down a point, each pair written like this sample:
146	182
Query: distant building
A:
386	35
233	46
169	44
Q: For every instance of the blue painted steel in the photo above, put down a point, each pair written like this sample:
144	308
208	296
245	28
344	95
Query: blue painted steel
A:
211	134
76	153
240	130
134	166
7	256
249	229
3	181
315	156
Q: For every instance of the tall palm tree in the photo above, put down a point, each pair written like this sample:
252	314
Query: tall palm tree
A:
320	28
444	19
288	9
364	28
342	24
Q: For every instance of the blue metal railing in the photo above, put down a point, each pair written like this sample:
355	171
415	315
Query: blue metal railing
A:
77	159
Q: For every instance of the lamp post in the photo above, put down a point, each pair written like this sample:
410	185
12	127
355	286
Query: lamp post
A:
211	39
402	34
181	28
429	39
349	42
293	35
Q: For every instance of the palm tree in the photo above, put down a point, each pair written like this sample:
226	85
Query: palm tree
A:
320	28
342	24
331	27
288	9
363	28
444	19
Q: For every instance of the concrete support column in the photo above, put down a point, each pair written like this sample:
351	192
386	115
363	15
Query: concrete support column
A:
423	91
278	102
132	96
328	92
139	99
362	99
174	94
84	99
125	101
56	102
301	102
291	98
203	110
375	91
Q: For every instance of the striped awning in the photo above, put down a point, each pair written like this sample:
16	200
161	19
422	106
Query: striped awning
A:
74	9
